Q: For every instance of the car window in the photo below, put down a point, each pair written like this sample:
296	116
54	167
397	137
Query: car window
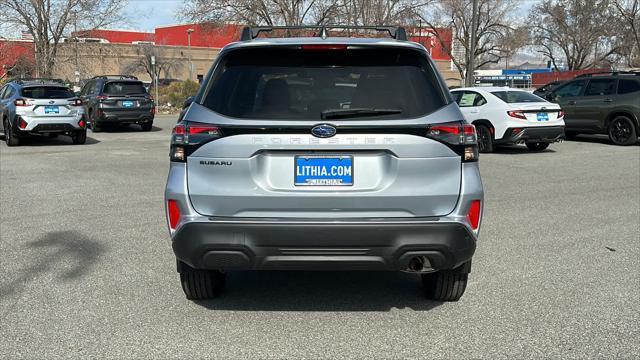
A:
97	87
601	87
571	89
626	86
124	88
301	84
511	97
470	99
47	92
86	90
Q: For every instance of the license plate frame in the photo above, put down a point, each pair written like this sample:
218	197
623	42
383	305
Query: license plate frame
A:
301	177
51	109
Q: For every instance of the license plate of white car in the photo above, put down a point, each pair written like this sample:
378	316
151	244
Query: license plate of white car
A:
543	117
51	110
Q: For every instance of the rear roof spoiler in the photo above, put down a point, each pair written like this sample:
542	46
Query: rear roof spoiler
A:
396	32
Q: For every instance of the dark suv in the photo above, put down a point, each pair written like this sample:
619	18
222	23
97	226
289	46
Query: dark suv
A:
602	103
117	99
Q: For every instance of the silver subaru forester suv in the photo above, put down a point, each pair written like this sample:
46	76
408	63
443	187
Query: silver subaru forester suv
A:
324	153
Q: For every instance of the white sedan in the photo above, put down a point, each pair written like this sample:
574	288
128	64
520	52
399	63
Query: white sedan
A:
510	116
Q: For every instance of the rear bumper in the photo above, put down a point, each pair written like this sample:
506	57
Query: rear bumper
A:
285	244
533	134
126	117
41	124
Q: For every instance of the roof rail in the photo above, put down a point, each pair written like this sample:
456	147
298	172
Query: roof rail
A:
250	33
610	73
37	80
116	77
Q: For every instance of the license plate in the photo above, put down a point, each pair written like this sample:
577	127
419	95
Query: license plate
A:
323	170
127	103
51	110
543	117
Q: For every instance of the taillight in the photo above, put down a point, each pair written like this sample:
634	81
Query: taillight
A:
153	110
173	211
459	136
187	136
21	102
102	97
22	124
518	114
474	214
560	114
76	102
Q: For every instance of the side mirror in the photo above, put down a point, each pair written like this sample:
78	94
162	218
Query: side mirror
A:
187	102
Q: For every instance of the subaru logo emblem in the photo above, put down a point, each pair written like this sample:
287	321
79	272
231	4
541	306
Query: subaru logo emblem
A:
323	131
51	102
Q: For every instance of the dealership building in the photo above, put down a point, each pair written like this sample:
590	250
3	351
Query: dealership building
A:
185	51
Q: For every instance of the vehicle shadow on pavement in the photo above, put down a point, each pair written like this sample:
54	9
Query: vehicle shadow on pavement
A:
126	129
596	139
47	141
51	253
519	149
321	291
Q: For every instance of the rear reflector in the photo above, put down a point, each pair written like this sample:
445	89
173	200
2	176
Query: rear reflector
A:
474	214
174	213
82	123
22	124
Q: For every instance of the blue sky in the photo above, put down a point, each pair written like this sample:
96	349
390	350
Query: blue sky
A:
148	14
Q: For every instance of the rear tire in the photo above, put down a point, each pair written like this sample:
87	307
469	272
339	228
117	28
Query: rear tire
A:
622	131
79	137
201	284
9	137
147	126
445	285
537	146
485	139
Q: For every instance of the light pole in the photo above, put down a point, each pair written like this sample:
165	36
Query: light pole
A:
189	31
472	51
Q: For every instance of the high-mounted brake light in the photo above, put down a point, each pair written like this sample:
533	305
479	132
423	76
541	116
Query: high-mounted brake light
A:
320	47
518	114
187	136
173	211
474	214
460	137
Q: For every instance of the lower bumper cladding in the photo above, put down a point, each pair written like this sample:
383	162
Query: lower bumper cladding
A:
316	245
533	134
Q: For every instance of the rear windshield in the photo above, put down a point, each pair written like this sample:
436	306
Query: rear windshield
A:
517	97
302	84
124	88
47	92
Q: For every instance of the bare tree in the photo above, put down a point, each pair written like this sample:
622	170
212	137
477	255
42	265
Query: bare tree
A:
144	63
576	33
49	20
381	12
495	37
261	12
627	15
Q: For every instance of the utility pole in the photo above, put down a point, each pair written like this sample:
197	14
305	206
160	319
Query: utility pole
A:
153	62
189	31
469	80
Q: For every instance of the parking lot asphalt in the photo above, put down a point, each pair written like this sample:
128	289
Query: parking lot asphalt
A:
86	267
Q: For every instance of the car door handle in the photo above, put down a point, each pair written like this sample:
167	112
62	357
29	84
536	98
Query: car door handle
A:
608	100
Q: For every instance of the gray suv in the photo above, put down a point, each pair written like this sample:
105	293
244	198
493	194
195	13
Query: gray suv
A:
324	153
40	106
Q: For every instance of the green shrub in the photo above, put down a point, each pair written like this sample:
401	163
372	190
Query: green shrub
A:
176	93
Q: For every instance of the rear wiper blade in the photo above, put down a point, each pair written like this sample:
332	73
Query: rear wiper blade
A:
356	112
